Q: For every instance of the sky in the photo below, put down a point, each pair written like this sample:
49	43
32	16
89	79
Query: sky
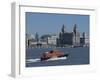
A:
51	23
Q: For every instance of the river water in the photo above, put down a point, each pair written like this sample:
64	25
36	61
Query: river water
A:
77	56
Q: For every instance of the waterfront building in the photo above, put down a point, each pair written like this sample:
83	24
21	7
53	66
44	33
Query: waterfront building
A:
46	40
35	43
32	43
76	36
29	37
84	40
68	38
63	39
87	41
52	40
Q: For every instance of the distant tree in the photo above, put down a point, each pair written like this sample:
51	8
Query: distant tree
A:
45	36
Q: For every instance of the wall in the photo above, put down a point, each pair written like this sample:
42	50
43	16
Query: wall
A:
5	40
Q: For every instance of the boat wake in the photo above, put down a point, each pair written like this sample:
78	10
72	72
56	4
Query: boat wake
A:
39	60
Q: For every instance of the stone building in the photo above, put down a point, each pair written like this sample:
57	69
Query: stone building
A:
84	40
28	38
68	38
52	40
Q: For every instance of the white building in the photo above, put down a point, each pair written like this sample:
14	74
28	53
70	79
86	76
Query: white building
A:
87	40
29	37
52	40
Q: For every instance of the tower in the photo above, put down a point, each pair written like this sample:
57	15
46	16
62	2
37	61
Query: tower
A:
37	37
83	35
63	29
74	35
75	29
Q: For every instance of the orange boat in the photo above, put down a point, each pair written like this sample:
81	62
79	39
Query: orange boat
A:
53	54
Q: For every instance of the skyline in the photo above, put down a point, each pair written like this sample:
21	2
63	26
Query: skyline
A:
50	23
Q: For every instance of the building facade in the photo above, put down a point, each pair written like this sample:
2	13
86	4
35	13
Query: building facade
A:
47	40
84	40
68	38
63	39
52	40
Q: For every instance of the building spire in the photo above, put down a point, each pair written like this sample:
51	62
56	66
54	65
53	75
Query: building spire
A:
83	34
63	29
75	28
37	37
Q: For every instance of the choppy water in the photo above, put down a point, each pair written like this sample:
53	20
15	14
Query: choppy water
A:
78	56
